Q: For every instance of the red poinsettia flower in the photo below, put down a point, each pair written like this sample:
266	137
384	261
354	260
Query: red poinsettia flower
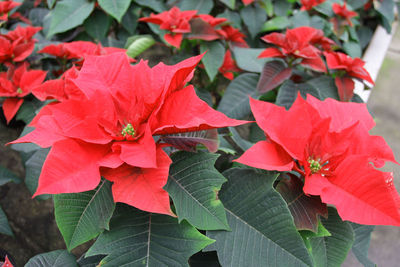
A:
79	50
343	12
5	7
18	44
228	66
333	152
296	44
175	21
15	84
309	4
110	132
232	35
60	89
247	2
353	67
7	263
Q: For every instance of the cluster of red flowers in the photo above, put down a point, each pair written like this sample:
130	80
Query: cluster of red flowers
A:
5	8
306	45
203	27
334	154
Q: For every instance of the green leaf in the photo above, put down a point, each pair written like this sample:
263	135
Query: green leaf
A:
277	23
33	168
263	233
232	16
299	19
83	216
202	6
188	141
332	250
289	90
235	102
57	258
28	110
116	8
139	44
7	176
386	9
97	25
92	261
156	5
50	3
193	185
253	17
305	209
229	3
214	57
325	86
356	4
282	8
130	20
242	143
138	238
361	243
68	14
353	49
273	74
247	59
4	226
326	8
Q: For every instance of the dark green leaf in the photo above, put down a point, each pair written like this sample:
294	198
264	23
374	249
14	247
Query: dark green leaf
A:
386	9
232	16
235	102
68	14
37	15
332	250
156	5
353	49
241	142
273	74
277	23
282	7
28	110
138	238
57	258
139	44
188	141
299	19
33	168
97	25
202	6
289	90
326	8
305	210
7	176
263	233
4	226
326	87
50	3
116	8
193	185
253	17
92	261
214	57
247	59
130	20
356	4
229	3
361	243
83	216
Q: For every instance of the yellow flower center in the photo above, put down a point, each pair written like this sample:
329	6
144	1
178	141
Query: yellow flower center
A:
128	130
315	166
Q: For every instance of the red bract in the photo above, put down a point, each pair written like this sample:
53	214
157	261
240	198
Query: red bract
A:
232	35
333	151
18	44
15	84
111	131
7	263
78	50
296	44
353	67
228	66
174	21
247	2
309	4
343	12
5	7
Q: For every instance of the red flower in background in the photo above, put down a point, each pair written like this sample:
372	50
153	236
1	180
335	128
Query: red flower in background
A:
5	7
175	21
233	35
15	84
309	4
343	12
18	44
247	2
110	132
296	44
79	50
228	66
354	68
333	151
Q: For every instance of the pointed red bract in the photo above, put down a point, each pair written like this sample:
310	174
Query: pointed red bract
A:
309	4
336	156
109	130
343	12
228	66
7	263
5	7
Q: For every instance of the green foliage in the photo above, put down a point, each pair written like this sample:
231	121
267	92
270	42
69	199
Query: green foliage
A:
253	17
116	8
57	258
97	25
7	176
263	233
138	238
361	243
33	167
4	226
68	14
193	185
202	6
82	216
138	44
214	57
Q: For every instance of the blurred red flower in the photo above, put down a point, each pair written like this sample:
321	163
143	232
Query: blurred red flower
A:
5	7
309	4
228	66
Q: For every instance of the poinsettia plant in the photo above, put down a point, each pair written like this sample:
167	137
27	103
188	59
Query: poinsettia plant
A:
186	133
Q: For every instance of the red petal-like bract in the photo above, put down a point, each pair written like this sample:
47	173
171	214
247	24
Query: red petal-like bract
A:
108	130
328	143
7	263
309	4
